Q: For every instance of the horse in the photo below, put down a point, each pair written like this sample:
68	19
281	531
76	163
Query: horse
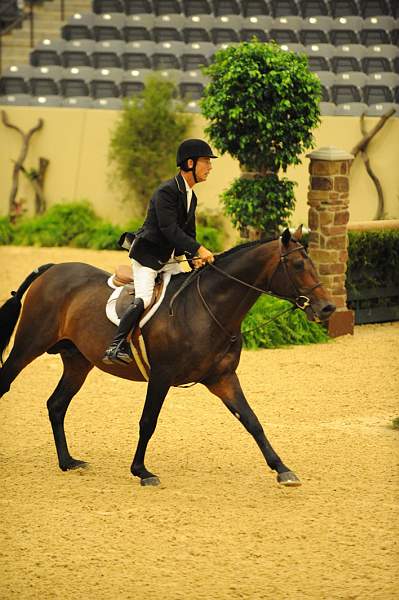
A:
194	337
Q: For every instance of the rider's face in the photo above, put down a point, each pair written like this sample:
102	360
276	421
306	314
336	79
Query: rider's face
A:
203	168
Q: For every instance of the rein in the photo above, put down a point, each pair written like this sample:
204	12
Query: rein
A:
301	301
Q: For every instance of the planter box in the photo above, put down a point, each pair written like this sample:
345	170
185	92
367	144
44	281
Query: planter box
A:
374	305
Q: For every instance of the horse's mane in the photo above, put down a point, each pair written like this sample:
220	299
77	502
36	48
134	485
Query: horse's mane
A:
244	246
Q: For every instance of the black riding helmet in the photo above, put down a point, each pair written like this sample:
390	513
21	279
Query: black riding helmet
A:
194	149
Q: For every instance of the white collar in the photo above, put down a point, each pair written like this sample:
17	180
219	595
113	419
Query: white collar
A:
189	190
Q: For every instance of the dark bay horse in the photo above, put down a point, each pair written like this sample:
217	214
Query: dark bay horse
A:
64	312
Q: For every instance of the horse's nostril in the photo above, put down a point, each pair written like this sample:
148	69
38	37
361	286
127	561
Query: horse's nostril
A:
329	309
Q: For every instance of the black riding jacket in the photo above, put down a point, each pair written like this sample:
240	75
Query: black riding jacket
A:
167	226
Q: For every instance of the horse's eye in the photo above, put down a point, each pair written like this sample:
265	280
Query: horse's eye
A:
298	265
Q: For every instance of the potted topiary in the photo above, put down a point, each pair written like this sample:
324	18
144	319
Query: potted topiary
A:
262	103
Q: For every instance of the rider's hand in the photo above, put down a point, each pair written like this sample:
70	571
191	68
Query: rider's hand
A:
204	256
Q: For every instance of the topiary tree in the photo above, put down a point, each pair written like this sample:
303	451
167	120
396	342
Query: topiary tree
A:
144	142
262	104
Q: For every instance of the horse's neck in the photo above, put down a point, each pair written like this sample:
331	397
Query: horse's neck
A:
232	300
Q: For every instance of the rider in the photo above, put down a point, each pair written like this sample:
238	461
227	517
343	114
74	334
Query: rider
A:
168	231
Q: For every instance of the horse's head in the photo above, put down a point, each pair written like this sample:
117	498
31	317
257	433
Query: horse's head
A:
295	278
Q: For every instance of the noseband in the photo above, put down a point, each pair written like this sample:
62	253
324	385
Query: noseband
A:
302	300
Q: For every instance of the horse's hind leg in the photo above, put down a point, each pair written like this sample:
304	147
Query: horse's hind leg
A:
18	359
29	344
228	389
10	370
76	369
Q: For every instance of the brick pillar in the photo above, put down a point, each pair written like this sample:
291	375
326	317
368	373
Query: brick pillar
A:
328	198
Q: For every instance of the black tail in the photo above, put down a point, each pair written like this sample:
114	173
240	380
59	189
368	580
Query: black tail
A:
11	309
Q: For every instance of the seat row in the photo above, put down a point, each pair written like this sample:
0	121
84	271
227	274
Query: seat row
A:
17	78
233	29
49	81
139	68
348	64
352	100
115	26
376	68
50	50
86	93
276	8
369	94
337	100
128	60
115	67
106	94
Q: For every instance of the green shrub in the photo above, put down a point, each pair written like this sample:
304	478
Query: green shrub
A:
210	237
134	225
145	138
373	259
101	236
292	328
264	203
262	104
76	224
210	230
56	227
209	218
6	231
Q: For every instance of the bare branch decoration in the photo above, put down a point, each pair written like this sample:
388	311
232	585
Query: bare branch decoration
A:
361	148
18	164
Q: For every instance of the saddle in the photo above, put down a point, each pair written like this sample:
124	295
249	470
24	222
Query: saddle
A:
123	276
123	285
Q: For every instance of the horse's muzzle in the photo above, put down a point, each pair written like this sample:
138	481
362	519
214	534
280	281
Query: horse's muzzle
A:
320	311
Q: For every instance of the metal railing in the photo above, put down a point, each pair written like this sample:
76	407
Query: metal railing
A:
25	11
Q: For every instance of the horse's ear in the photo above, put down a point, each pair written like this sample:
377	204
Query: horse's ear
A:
285	238
297	235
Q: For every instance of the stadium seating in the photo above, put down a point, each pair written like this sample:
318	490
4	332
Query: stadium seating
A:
254	8
283	8
107	54
312	8
371	8
196	7
138	7
343	8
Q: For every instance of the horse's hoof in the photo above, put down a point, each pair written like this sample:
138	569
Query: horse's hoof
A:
288	479
150	481
75	464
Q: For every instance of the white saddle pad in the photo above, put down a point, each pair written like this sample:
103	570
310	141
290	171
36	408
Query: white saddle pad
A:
110	308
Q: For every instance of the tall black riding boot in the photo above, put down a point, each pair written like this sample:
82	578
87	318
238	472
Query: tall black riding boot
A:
118	352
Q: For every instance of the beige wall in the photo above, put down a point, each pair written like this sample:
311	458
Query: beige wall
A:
76	143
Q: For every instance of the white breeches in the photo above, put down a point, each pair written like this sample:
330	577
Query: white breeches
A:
144	279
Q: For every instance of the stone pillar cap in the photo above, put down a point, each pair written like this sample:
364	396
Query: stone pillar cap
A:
330	153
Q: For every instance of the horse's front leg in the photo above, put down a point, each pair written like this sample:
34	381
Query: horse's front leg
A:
228	388
156	393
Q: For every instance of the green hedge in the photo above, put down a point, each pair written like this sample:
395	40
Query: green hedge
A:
291	328
76	224
373	259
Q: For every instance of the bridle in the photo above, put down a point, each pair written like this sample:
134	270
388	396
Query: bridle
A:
301	301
